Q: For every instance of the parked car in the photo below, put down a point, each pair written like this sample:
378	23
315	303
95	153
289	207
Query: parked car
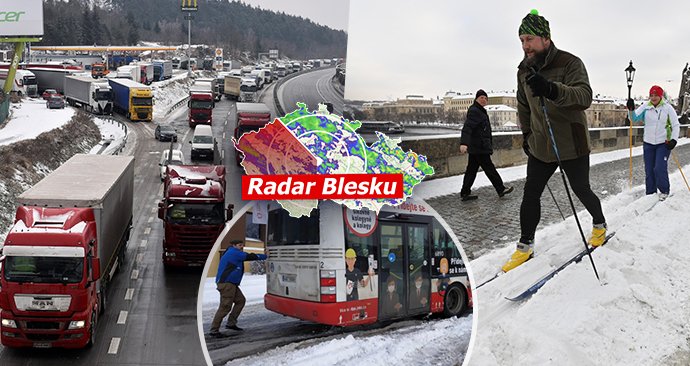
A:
166	133
55	102
177	159
49	93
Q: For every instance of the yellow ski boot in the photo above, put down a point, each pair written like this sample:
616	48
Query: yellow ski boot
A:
522	254
598	235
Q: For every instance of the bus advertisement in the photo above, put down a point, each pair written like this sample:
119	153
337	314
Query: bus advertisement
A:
346	267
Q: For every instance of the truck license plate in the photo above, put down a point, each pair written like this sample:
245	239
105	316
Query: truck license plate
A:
42	345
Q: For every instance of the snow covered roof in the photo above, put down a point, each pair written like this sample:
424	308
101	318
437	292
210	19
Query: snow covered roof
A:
500	108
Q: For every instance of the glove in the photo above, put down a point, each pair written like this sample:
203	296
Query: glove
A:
542	87
631	104
671	144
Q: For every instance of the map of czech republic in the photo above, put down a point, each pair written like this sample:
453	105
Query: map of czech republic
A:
304	142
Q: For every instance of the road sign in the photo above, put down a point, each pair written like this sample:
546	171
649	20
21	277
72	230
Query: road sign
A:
219	52
273	54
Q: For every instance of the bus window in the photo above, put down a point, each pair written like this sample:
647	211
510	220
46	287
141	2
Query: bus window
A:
444	247
364	247
284	229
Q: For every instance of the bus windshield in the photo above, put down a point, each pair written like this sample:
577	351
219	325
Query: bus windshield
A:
44	269
284	229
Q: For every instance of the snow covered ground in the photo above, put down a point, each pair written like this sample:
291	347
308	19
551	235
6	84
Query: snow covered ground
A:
168	92
113	134
431	343
638	314
443	186
31	118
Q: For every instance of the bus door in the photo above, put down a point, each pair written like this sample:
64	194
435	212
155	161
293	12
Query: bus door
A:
402	267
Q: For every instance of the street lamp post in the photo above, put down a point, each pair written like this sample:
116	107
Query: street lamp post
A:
630	75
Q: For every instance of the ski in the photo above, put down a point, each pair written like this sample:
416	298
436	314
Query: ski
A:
537	285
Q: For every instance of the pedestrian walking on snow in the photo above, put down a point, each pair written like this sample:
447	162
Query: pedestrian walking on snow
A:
560	78
476	140
228	278
661	130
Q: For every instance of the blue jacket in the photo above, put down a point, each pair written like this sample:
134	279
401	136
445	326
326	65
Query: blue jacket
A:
231	267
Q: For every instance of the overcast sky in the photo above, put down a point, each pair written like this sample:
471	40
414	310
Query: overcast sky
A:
331	13
400	47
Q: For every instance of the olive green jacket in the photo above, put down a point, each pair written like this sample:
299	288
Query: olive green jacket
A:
566	113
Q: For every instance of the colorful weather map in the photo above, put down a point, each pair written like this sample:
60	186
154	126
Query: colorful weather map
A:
319	142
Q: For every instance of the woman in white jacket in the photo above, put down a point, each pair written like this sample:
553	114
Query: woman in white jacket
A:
661	129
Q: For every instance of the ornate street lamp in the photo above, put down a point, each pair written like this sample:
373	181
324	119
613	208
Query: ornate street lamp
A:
630	75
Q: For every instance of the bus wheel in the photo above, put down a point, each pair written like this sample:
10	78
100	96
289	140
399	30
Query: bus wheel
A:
455	301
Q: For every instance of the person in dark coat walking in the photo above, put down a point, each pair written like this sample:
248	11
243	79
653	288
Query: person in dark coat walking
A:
228	278
477	141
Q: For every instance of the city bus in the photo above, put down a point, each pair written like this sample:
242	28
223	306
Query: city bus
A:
346	267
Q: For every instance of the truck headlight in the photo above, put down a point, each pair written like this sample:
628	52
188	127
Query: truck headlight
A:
9	323
76	324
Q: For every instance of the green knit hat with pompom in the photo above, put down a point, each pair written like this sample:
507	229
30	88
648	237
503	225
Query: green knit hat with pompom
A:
535	24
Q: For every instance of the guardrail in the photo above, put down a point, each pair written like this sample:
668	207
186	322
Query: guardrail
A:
106	143
176	105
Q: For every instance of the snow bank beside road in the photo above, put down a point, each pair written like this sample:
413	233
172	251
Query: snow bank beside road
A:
31	118
436	342
169	92
637	315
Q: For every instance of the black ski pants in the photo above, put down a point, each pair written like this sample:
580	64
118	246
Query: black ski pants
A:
538	174
474	162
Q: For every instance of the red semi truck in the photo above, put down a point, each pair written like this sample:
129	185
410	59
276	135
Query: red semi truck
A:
250	117
69	237
193	213
200	105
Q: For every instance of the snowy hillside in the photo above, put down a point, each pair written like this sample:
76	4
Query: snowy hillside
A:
638	314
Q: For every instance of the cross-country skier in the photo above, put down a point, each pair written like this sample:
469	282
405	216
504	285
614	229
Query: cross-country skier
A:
561	78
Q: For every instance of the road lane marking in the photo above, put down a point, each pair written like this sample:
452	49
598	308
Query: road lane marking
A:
150	219
147	231
114	345
135	274
129	294
224	135
122	319
140	257
154	209
143	243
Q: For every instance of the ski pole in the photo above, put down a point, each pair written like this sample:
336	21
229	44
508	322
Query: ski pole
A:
565	183
681	169
554	201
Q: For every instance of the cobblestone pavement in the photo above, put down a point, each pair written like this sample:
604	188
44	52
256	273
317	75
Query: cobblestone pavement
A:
489	222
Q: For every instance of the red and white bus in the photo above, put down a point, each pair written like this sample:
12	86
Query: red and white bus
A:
349	267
